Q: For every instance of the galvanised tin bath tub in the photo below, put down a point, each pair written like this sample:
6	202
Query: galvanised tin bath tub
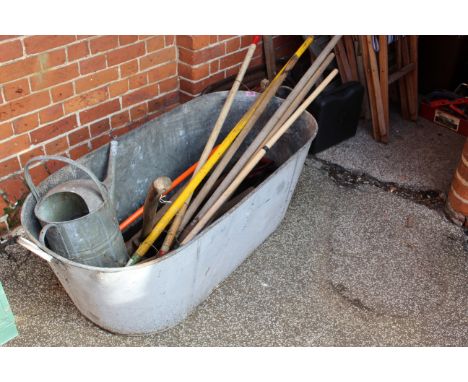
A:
158	294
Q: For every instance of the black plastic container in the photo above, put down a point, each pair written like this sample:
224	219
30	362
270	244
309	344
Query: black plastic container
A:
337	112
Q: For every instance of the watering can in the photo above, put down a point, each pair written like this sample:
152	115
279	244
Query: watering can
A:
78	217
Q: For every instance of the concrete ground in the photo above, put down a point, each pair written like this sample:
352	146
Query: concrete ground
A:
361	259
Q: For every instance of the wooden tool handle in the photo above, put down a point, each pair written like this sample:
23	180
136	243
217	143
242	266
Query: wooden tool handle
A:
256	158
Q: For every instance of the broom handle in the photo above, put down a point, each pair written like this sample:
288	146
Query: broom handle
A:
280	116
256	158
169	239
260	102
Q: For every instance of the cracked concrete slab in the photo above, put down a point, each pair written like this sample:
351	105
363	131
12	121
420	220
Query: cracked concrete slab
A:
349	266
420	154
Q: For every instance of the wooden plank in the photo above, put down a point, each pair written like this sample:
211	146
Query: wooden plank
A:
411	91
395	76
374	75
270	60
370	88
351	55
413	76
342	62
383	77
401	81
362	79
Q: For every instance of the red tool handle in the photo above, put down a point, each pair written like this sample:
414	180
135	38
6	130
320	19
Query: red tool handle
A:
444	102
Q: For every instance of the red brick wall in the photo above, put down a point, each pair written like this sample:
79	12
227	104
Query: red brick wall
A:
68	95
457	205
205	60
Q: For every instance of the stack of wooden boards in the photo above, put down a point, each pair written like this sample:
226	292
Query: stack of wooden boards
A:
367	59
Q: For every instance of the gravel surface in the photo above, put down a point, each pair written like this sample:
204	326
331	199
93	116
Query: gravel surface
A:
419	154
349	266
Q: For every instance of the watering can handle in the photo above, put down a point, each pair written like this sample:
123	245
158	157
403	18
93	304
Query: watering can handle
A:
43	233
43	158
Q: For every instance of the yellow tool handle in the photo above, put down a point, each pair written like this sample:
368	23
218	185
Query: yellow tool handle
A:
197	179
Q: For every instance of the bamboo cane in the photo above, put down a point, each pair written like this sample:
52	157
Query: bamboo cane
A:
260	102
258	155
293	100
208	186
169	239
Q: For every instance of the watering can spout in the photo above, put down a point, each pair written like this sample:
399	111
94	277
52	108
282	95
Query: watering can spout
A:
109	182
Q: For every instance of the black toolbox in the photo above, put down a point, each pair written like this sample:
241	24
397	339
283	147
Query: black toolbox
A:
337	111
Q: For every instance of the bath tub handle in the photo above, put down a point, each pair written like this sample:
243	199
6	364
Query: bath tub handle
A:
30	246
